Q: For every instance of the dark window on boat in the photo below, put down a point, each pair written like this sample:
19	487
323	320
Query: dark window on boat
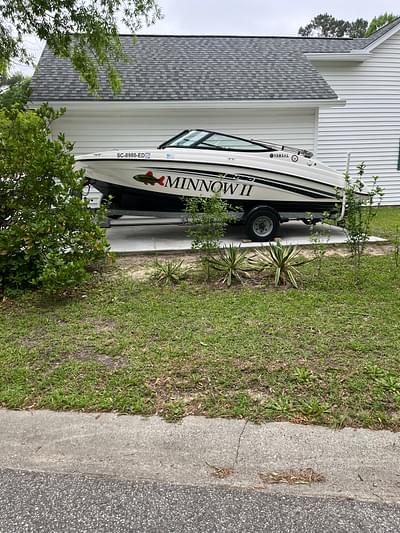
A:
225	142
188	139
215	141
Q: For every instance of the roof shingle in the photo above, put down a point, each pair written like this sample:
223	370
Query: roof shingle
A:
169	68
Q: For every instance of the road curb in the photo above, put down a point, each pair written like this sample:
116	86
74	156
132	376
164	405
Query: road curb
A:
355	463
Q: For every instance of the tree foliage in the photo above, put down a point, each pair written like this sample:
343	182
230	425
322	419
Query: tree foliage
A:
84	32
326	25
379	22
14	90
48	237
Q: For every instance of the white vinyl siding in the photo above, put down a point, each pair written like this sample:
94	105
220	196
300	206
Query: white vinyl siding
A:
99	131
369	125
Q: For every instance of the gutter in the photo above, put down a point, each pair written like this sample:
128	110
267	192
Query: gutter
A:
358	56
115	106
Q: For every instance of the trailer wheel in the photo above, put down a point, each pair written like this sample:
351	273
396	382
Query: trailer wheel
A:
262	225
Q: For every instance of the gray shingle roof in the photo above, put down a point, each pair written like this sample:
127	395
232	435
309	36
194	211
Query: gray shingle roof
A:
172	68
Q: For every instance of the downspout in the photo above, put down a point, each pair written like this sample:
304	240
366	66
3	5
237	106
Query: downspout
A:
344	192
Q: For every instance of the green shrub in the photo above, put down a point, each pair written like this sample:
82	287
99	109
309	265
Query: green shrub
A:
48	236
207	219
361	208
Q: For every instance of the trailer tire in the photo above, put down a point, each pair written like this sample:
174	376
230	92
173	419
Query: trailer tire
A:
262	225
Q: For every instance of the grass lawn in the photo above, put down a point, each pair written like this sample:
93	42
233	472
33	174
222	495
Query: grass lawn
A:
327	353
386	223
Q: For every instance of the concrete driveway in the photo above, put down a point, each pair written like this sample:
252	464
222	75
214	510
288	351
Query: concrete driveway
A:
137	235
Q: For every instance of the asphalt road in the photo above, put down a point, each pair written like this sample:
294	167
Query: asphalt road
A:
39	502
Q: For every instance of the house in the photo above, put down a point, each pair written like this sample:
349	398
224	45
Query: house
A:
330	96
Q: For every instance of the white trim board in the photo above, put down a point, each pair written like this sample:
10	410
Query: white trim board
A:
191	104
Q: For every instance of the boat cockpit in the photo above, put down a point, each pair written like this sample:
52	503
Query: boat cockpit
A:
211	140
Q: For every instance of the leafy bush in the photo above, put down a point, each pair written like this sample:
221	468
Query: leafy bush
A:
360	210
207	219
14	90
48	236
232	263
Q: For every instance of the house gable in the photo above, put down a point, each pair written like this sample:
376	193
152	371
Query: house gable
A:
369	125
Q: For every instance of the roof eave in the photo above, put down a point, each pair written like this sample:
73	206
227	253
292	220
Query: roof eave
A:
108	105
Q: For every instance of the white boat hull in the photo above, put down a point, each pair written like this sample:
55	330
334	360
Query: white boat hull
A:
244	180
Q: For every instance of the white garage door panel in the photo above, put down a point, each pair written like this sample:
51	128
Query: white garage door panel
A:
94	132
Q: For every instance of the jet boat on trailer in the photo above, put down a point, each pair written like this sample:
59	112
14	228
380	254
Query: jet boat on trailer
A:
269	183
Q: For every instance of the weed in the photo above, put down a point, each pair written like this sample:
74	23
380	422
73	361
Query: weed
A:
375	371
389	383
397	401
313	408
340	421
174	410
319	239
168	272
302	374
281	406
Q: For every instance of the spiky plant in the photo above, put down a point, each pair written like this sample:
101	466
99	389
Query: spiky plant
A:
232	263
282	260
168	272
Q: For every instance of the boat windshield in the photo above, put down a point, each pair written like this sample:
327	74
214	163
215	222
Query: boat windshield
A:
210	140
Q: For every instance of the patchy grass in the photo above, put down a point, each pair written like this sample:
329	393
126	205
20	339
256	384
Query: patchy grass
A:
327	353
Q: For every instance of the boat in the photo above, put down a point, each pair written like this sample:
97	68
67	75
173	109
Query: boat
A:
269	183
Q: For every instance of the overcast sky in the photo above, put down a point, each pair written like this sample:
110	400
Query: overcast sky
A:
251	17
258	17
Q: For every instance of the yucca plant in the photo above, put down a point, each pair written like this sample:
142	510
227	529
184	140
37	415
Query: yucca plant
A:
282	260
169	272
232	263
